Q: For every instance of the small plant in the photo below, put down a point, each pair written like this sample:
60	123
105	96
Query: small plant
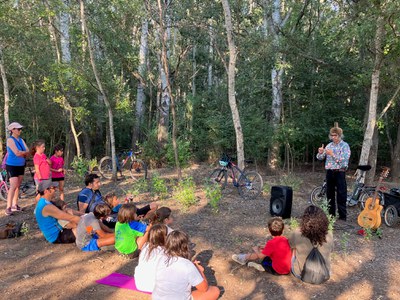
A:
266	188
184	152
213	195
325	207
368	234
344	242
294	223
291	180
379	233
185	192
82	165
140	186
159	187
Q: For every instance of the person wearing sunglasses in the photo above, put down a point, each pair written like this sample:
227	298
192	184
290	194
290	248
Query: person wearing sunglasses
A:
17	151
336	155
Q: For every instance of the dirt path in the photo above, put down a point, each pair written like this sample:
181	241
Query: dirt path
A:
31	268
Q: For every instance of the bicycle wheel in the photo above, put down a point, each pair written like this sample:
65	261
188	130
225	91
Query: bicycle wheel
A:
219	176
318	196
250	185
105	167
391	216
27	189
3	191
138	169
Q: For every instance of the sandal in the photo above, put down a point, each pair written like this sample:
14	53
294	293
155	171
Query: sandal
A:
16	208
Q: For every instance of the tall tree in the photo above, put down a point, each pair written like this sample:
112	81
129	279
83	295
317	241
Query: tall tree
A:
231	69
6	91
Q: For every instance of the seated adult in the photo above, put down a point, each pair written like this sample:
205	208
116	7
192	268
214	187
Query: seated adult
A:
90	196
47	216
313	231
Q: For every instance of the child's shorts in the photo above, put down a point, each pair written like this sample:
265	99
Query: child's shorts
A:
91	246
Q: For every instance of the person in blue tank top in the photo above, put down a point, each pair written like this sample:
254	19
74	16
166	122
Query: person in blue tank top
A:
47	216
17	151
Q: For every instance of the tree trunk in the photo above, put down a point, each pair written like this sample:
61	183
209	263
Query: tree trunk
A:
373	157
6	91
373	101
231	84
140	96
396	158
164	60
210	58
101	89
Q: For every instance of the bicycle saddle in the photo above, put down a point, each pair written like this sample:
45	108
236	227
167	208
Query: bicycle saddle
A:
364	167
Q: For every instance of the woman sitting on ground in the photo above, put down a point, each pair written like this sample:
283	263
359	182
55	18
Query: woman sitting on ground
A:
313	231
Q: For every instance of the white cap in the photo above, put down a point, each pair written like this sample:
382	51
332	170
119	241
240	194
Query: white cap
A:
14	125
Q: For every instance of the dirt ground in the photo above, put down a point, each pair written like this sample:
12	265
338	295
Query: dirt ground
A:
31	268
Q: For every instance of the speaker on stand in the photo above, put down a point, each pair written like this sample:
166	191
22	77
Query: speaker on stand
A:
281	201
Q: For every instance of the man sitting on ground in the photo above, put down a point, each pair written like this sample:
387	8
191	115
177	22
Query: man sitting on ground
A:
90	196
47	216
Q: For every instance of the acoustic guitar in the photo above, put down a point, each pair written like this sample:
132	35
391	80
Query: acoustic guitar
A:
370	217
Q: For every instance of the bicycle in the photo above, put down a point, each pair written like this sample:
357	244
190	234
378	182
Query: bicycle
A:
359	195
27	189
249	184
137	167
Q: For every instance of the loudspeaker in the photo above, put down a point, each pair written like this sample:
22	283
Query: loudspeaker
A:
281	201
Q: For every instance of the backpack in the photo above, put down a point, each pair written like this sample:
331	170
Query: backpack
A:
315	270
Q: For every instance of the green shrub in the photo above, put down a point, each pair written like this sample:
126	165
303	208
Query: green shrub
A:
184	192
325	207
291	180
184	153
213	195
159	186
83	166
294	223
140	186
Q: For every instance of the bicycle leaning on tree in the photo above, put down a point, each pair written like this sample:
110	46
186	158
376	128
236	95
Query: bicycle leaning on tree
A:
137	167
249	184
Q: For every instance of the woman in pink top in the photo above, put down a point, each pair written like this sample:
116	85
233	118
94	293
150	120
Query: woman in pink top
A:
41	162
57	168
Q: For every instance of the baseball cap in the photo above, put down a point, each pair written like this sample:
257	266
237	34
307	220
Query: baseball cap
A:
44	185
14	125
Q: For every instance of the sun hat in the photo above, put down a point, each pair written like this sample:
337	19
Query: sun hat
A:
14	125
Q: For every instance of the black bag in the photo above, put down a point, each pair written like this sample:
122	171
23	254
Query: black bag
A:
315	270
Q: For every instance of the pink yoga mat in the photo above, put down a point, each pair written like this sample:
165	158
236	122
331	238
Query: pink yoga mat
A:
120	281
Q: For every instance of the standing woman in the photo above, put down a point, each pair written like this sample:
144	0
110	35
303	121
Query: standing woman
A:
15	166
41	163
57	169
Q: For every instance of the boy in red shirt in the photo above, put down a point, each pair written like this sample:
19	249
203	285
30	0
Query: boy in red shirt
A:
275	255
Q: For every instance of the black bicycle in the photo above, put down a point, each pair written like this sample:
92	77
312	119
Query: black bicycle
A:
359	195
249	184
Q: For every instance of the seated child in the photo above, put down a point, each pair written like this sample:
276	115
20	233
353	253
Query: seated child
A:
130	235
113	202
162	216
91	233
276	254
150	256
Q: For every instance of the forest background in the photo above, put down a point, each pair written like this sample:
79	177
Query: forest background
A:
190	80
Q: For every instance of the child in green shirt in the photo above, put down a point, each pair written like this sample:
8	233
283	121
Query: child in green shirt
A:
130	235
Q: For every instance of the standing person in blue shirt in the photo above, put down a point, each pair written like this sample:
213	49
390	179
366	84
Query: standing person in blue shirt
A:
337	155
17	151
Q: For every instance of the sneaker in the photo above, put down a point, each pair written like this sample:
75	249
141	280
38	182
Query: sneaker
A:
239	258
8	211
16	208
256	266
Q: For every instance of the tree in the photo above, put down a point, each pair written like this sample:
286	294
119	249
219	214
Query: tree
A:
231	83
